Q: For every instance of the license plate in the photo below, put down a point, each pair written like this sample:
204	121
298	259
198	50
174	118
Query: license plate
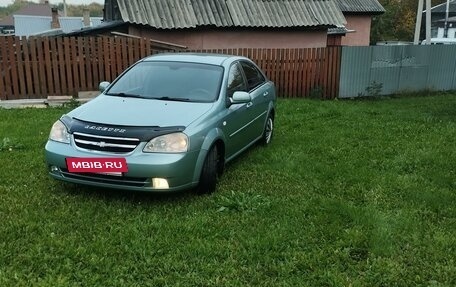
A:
97	165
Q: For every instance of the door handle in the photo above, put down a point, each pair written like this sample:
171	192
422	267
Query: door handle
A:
265	94
249	105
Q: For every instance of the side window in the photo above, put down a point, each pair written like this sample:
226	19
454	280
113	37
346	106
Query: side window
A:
253	75
235	81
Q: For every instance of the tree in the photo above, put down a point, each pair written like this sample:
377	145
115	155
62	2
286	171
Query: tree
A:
398	22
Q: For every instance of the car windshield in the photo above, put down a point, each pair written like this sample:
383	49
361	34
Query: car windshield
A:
170	81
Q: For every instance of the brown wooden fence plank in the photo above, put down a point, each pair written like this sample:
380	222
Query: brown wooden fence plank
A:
293	73
20	67
75	65
3	69
274	68
124	53
68	70
300	73
136	50
27	69
107	59
313	71
81	62
55	67
35	74
88	53
93	60
307	54
41	61
131	50
329	74
12	69
269	61
287	72
318	75
120	64
336	75
7	71
325	72
48	66
100	60
282	71
60	58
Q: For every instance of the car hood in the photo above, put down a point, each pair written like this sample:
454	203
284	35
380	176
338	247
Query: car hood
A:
123	111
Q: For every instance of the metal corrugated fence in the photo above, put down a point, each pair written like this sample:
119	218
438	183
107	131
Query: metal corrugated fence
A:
386	70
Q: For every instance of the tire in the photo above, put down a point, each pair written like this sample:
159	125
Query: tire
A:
268	130
209	173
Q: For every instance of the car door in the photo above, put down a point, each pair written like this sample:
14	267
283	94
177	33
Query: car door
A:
236	117
259	90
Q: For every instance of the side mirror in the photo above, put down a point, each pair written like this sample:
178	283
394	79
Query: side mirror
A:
103	86
241	98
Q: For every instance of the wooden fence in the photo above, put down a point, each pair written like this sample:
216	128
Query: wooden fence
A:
41	67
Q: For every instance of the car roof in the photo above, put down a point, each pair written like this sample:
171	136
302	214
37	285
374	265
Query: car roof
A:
204	58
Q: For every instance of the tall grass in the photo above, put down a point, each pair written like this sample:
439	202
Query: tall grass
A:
350	193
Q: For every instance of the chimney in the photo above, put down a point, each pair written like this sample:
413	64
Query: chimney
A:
86	17
55	24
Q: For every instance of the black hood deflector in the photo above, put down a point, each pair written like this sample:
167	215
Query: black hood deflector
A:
142	133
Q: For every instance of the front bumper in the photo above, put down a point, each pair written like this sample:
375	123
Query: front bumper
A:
177	169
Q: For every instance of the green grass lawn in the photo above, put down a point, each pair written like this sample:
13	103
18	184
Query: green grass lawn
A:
350	193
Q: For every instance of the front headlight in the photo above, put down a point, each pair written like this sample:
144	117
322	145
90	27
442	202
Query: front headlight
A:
170	143
59	133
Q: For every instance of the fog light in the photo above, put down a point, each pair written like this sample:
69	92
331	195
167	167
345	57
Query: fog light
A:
54	168
160	183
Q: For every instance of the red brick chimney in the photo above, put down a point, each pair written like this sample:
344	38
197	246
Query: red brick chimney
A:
55	24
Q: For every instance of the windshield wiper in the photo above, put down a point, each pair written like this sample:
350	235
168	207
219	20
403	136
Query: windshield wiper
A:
125	95
172	99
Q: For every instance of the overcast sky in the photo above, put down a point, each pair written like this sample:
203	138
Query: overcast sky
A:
76	2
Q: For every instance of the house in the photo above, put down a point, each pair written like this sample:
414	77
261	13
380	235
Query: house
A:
438	15
439	28
359	14
213	24
31	9
52	25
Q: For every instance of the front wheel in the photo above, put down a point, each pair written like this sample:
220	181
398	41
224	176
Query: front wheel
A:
268	130
209	174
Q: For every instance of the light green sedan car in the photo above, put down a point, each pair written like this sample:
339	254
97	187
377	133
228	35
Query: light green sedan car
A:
169	122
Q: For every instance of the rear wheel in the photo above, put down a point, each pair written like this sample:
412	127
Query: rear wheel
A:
268	130
209	174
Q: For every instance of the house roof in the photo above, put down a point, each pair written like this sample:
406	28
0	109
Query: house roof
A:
360	6
172	14
450	19
32	9
26	25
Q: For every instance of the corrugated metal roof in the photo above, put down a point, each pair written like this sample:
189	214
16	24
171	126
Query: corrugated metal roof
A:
25	25
174	14
360	6
213	12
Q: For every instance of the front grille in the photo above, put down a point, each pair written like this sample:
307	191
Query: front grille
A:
109	179
104	143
